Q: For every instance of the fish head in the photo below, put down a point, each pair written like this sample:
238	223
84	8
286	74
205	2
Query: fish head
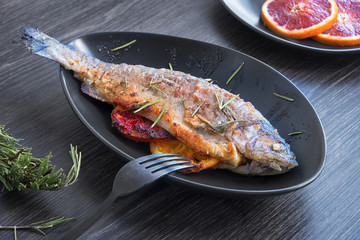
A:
271	150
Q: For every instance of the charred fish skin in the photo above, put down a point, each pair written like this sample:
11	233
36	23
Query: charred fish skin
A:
225	126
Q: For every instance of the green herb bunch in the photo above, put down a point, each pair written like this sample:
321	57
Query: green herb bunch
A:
19	170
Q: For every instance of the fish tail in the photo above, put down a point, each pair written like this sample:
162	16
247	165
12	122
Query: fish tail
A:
41	44
36	41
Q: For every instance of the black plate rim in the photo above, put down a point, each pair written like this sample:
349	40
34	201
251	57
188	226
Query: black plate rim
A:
176	178
288	42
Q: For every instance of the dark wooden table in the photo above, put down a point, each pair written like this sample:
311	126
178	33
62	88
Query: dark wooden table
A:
34	107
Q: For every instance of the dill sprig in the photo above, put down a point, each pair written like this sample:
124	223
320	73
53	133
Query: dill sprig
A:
123	46
19	170
38	226
160	115
283	97
233	75
145	105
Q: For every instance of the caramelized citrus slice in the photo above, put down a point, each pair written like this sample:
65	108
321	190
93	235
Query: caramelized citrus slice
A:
135	127
202	162
299	19
346	31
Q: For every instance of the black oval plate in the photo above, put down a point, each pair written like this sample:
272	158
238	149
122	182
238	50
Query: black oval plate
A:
248	12
256	83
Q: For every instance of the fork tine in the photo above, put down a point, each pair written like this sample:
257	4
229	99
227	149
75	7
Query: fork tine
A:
148	158
159	166
149	164
164	171
167	165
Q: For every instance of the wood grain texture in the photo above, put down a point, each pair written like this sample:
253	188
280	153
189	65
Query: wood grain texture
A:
33	106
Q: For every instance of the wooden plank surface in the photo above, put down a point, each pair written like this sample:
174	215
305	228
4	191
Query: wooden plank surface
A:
33	106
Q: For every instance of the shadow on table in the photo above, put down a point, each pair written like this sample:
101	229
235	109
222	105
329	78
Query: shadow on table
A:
173	213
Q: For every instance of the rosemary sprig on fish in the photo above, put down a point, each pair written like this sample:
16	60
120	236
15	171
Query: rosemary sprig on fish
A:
225	127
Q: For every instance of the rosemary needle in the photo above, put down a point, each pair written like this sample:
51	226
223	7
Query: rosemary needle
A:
125	82
197	109
283	97
170	66
158	118
233	75
218	101
146	105
229	101
123	46
38	225
152	83
223	127
221	106
206	122
294	133
158	89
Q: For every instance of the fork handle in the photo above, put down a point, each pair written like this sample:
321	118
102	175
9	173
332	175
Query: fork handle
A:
79	228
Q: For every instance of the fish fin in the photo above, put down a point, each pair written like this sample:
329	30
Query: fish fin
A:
91	91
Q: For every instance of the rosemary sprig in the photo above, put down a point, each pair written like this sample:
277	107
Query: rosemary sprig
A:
146	105
160	115
233	75
123	46
170	66
37	226
75	169
283	97
295	133
19	170
197	109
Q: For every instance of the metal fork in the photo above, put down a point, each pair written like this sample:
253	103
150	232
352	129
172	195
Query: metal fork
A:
132	177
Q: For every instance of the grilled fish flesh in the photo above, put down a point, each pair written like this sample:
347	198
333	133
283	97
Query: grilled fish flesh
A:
204	117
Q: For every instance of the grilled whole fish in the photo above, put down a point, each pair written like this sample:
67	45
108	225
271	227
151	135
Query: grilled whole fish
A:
225	127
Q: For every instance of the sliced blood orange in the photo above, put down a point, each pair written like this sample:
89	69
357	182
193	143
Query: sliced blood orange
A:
299	19
137	128
346	31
